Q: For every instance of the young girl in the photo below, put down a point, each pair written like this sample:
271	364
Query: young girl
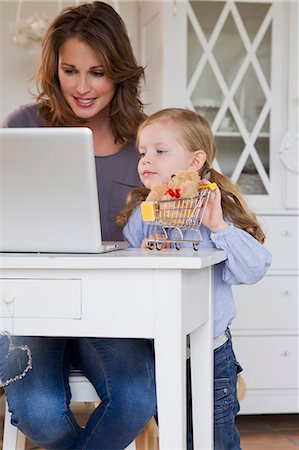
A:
174	140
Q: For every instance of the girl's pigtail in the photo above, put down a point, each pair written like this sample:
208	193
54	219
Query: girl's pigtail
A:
235	207
134	198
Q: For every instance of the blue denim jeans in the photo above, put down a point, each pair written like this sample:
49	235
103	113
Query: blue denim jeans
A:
226	405
121	370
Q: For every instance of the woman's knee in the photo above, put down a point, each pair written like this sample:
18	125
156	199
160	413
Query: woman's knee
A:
45	421
135	397
33	413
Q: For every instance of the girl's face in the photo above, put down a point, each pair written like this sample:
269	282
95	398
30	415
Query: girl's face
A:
83	82
162	155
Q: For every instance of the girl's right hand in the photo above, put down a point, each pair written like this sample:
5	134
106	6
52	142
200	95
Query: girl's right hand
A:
153	237
213	214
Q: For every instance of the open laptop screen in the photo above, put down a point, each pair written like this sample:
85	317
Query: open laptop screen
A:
48	191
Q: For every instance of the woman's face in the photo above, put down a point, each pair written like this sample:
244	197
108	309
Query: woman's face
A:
83	82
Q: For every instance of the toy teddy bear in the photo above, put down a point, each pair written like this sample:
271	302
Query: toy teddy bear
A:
183	184
175	202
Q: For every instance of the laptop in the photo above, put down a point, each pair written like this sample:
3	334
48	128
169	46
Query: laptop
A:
48	192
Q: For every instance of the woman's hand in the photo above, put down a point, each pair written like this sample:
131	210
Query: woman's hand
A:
154	237
213	215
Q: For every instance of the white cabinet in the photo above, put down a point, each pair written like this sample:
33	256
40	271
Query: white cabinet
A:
228	61
266	328
237	64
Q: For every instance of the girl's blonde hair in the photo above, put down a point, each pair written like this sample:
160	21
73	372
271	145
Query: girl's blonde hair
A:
194	133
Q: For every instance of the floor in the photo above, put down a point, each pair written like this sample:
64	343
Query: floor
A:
269	432
258	432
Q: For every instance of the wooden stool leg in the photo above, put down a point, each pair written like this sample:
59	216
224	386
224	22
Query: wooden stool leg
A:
13	439
241	387
148	437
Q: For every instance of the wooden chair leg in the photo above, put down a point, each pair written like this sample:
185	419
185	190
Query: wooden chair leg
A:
13	439
148	437
241	387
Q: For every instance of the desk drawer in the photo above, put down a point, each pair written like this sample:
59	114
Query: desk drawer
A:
40	298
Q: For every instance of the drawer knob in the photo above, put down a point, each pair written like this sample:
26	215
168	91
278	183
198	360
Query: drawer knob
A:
285	353
286	293
8	299
286	233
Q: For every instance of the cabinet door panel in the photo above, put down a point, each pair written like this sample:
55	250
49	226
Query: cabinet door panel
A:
268	362
40	298
270	304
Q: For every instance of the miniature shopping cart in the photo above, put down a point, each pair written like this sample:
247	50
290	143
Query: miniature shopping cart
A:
175	216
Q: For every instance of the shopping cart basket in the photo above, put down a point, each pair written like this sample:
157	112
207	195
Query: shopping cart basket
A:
175	216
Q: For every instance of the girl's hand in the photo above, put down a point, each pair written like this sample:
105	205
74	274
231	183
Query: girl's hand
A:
213	215
153	237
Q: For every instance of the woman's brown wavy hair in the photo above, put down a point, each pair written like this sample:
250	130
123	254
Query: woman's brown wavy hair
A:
98	25
194	133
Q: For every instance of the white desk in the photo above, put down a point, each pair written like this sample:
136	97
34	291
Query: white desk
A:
130	293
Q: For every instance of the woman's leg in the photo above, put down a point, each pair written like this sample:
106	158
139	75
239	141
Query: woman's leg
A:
122	371
39	402
226	405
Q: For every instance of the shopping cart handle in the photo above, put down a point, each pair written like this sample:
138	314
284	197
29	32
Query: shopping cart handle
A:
211	186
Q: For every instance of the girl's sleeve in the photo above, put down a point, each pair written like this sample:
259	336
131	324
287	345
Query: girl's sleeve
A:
136	230
247	259
133	231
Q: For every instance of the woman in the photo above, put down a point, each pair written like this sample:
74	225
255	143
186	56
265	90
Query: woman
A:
87	76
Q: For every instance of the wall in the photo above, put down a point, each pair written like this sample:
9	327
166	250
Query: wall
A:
18	65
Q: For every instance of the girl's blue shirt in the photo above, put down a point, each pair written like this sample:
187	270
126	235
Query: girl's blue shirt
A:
247	261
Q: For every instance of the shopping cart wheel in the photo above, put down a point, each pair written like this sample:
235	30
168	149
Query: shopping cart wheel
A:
150	245
195	246
177	245
158	245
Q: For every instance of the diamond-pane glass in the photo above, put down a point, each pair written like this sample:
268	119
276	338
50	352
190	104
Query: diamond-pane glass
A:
194	51
250	98
229	50
252	16
207	95
250	180
228	123
207	14
266	126
262	147
229	83
228	153
263	54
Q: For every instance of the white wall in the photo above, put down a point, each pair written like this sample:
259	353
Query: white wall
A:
18	65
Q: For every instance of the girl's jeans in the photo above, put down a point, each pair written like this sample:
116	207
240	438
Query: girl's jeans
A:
226	405
122	371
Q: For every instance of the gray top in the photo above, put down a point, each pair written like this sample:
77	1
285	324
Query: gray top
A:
116	174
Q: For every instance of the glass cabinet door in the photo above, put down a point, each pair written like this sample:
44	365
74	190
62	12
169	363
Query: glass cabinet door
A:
229	82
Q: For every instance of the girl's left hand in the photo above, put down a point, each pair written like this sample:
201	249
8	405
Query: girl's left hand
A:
213	215
153	237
